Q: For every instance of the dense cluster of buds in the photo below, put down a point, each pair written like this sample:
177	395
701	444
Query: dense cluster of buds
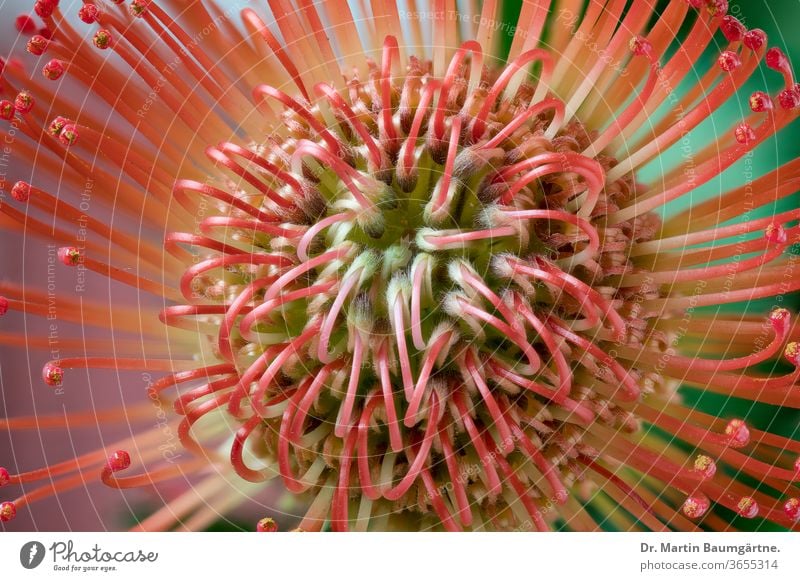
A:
427	290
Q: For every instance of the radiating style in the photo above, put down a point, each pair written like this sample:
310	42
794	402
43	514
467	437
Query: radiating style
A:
417	281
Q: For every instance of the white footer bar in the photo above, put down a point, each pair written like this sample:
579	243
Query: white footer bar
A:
406	557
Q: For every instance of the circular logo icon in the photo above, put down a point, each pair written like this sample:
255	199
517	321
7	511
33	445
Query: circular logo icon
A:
31	554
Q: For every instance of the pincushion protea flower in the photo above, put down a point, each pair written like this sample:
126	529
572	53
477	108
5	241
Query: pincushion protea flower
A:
422	285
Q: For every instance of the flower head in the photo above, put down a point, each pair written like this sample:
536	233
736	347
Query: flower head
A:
422	286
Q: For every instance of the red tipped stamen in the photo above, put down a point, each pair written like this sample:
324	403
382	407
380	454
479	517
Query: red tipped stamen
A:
781	320
705	466
21	191
53	70
119	460
760	102
7	110
732	28
738	432
789	98
747	507
68	135
744	134
70	256
57	125
102	39
791	509
778	61
37	45
138	7
640	46
88	13
45	8
8	510
717	7
24	102
53	375
792	355
25	24
267	525
696	506
729	61
755	39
